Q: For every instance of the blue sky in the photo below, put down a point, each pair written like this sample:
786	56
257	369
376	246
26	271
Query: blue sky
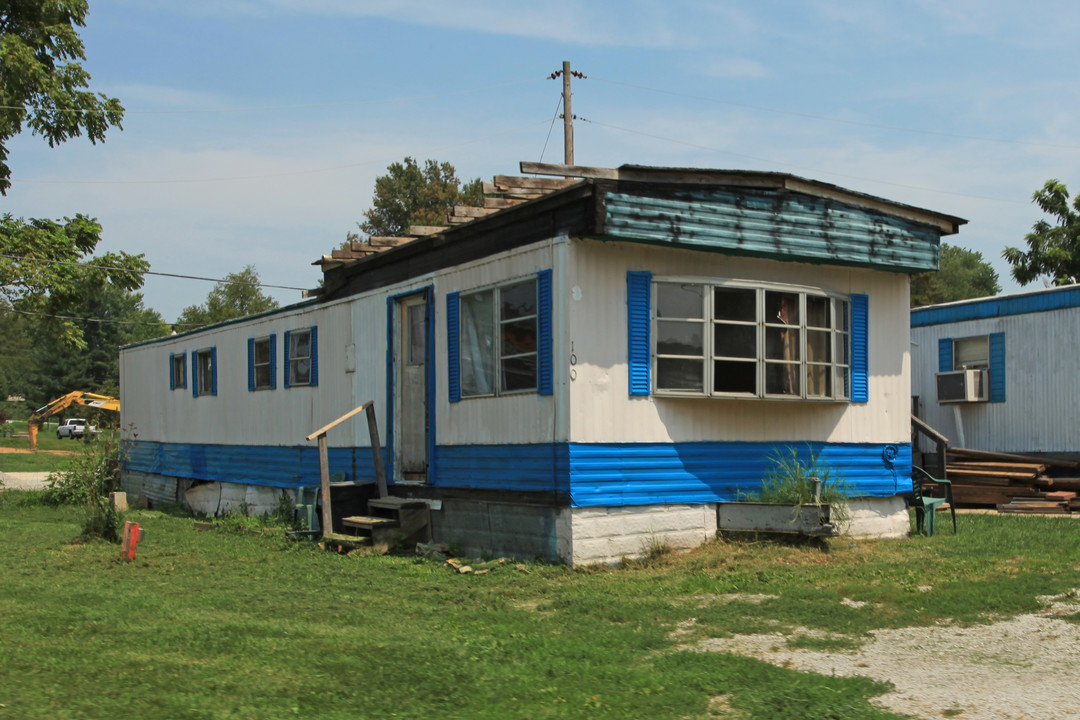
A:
255	128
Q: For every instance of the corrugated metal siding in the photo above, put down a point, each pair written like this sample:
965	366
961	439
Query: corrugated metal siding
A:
646	473
1019	304
601	409
1040	412
271	466
784	226
525	468
518	419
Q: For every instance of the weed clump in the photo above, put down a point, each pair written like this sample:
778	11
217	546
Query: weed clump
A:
790	481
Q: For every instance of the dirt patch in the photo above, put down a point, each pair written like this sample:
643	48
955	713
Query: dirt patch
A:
24	451
1017	669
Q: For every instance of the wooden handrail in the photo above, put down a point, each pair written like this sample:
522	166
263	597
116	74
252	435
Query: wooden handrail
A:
324	462
343	418
942	443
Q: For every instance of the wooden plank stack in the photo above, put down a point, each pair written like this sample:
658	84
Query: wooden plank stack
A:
504	192
1014	483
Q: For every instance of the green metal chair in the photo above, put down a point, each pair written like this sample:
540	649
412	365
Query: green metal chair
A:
926	507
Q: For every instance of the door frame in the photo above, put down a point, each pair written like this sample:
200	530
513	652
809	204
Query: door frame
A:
393	308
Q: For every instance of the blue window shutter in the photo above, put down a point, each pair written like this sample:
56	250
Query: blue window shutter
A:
638	296
251	364
860	348
453	346
545	369
172	376
213	371
287	343
314	379
273	362
997	367
944	355
195	373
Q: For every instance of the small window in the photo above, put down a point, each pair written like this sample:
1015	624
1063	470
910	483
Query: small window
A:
300	357
498	340
207	377
971	353
178	370
260	364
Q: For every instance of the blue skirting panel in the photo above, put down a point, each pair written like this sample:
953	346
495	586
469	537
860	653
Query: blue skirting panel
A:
273	466
587	475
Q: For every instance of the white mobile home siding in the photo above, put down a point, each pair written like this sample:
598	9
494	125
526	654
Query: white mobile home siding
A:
602	411
1041	412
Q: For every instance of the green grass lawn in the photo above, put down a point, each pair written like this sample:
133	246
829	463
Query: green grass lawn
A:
234	625
46	460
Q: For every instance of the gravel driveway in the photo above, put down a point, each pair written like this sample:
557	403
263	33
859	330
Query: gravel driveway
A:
1023	668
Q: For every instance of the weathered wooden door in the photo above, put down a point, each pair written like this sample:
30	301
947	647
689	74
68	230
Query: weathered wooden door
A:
411	382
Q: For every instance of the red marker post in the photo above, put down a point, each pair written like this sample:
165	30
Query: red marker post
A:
132	535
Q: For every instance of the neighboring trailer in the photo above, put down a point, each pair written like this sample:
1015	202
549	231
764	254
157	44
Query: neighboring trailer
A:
572	378
1027	344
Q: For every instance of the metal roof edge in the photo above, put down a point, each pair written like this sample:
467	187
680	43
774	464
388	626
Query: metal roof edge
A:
1045	300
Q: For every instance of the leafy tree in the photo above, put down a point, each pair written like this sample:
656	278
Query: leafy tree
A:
109	318
1053	250
962	274
412	195
237	296
42	84
46	265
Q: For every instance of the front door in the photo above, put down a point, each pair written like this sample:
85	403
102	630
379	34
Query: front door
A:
411	381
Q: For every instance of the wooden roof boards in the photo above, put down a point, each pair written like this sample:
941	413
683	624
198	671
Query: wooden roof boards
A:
751	213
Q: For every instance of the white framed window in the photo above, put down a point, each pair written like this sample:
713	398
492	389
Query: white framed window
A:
971	353
300	355
205	372
178	371
262	377
498	339
737	339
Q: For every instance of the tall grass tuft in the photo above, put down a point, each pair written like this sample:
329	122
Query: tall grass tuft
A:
789	481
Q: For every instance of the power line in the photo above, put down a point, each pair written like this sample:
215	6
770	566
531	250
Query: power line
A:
151	272
278	108
102	321
802	167
282	174
841	121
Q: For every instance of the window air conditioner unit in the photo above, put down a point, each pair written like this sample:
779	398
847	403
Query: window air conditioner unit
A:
962	386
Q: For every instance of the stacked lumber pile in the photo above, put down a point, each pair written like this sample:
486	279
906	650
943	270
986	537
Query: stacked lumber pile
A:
504	192
1014	483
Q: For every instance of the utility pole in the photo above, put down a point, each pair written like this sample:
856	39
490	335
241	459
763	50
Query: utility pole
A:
568	115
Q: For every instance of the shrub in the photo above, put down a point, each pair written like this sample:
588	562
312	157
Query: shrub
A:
89	481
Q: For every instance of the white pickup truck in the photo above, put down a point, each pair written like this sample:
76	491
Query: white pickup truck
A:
74	428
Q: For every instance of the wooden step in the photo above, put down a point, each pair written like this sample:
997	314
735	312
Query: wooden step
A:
392	503
368	522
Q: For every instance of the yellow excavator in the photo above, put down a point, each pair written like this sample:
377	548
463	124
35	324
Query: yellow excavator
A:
78	397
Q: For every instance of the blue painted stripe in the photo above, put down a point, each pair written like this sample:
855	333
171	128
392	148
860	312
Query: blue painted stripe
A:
1035	302
647	473
545	366
944	355
860	348
997	367
638	296
524	468
585	475
273	466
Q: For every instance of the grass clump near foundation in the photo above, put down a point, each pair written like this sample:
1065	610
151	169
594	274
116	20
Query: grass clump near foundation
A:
789	481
